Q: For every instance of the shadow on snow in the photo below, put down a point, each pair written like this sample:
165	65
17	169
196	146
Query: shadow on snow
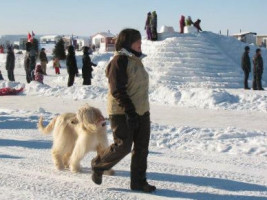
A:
31	144
18	122
222	184
9	157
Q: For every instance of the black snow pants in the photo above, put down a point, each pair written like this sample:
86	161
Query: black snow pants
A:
10	74
257	85
123	140
246	75
71	80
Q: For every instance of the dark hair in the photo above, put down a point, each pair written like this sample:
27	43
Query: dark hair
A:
247	48
126	38
258	50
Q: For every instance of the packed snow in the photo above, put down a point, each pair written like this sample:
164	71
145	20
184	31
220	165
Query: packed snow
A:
208	135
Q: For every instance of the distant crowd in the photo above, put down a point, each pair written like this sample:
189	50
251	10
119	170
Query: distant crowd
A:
36	71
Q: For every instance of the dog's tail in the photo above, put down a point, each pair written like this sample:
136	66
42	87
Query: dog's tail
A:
49	128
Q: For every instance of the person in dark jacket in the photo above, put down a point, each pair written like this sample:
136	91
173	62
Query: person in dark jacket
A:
197	25
27	65
148	26
87	67
10	64
44	60
246	66
154	26
71	65
257	70
182	24
128	109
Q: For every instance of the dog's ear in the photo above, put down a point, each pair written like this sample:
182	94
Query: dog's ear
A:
86	116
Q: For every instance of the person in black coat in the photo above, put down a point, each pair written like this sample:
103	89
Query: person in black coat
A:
10	64
246	66
87	67
71	65
257	70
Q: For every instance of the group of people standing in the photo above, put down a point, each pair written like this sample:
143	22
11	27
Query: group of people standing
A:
257	69
36	71
73	69
188	22
151	26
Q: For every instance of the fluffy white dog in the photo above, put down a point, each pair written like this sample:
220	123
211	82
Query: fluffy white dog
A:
75	135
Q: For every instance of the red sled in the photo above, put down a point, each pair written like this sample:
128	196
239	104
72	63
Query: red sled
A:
10	91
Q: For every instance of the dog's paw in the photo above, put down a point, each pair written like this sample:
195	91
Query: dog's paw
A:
75	169
110	172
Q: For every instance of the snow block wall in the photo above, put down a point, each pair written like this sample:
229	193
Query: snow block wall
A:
201	60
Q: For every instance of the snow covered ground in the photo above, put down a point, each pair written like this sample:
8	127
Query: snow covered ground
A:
208	135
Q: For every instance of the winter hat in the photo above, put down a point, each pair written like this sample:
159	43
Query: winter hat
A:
42	49
149	13
247	48
258	50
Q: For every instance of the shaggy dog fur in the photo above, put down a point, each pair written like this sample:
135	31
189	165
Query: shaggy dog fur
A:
74	135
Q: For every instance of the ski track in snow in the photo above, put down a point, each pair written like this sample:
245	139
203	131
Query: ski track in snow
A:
184	162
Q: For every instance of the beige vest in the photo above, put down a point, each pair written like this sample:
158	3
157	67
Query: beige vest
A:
137	87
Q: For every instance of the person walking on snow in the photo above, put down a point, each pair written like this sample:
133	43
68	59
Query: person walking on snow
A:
128	109
197	25
246	66
56	65
148	26
87	67
188	21
182	24
154	26
10	64
257	70
39	74
43	59
71	65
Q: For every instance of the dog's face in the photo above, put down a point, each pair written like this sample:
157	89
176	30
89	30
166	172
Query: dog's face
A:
91	116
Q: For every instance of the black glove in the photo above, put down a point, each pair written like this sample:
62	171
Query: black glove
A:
132	120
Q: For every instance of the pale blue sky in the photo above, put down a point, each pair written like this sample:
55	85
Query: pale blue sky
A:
85	17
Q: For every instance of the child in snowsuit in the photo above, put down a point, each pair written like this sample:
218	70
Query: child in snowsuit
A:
197	25
182	24
56	65
87	67
38	74
189	21
148	26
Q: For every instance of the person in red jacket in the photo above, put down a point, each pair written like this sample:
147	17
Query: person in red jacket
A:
197	25
39	74
182	24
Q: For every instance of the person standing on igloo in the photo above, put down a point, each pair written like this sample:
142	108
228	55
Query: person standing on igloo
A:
148	26
182	24
154	26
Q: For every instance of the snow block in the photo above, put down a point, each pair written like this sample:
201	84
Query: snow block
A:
190	29
166	29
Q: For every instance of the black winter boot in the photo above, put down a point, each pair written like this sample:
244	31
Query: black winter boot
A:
97	177
144	187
